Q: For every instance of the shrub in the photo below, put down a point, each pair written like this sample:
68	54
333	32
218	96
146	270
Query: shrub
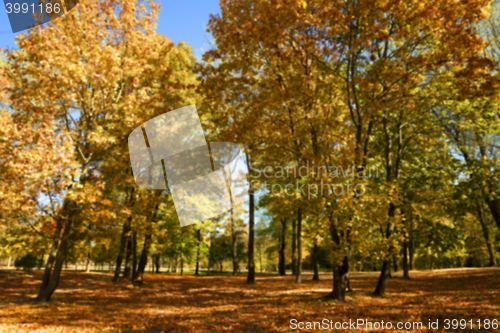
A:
27	262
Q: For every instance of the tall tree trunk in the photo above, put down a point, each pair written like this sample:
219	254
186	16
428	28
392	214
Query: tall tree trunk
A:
486	234
251	238
123	241
395	263
294	246
55	263
143	260
198	234
234	245
340	271
182	260
128	258
340	280
411	252
157	262
138	277
210	253
52	255
406	266
315	260
282	263
134	254
87	266
298	277
386	266
8	263
260	259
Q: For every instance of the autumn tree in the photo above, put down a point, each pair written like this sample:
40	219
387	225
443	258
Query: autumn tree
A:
96	74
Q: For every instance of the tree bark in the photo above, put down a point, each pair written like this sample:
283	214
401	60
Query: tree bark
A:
395	263
486	234
138	277
340	280
294	246
123	241
386	266
251	238
210	253
282	263
143	261
340	271
234	245
411	252
128	257
134	255
53	268
156	263
315	260
198	233
406	266
10	260
298	277
87	266
182	261
52	274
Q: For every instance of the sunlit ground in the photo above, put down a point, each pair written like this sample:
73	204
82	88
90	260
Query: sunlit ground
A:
173	303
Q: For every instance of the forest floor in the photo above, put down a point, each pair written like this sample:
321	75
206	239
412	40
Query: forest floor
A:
172	303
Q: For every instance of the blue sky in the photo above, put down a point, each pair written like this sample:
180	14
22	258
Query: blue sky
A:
179	20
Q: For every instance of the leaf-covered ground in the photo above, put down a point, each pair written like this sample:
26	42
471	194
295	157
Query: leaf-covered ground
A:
172	303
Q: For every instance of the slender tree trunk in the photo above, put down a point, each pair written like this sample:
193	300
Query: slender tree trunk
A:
486	234
294	246
386	266
411	252
198	233
87	265
128	257
234	245
251	238
143	260
298	277
134	255
8	264
315	260
157	262
123	241
395	263
182	261
282	263
406	266
138	277
210	253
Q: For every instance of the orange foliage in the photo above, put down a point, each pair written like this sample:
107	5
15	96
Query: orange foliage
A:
172	303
